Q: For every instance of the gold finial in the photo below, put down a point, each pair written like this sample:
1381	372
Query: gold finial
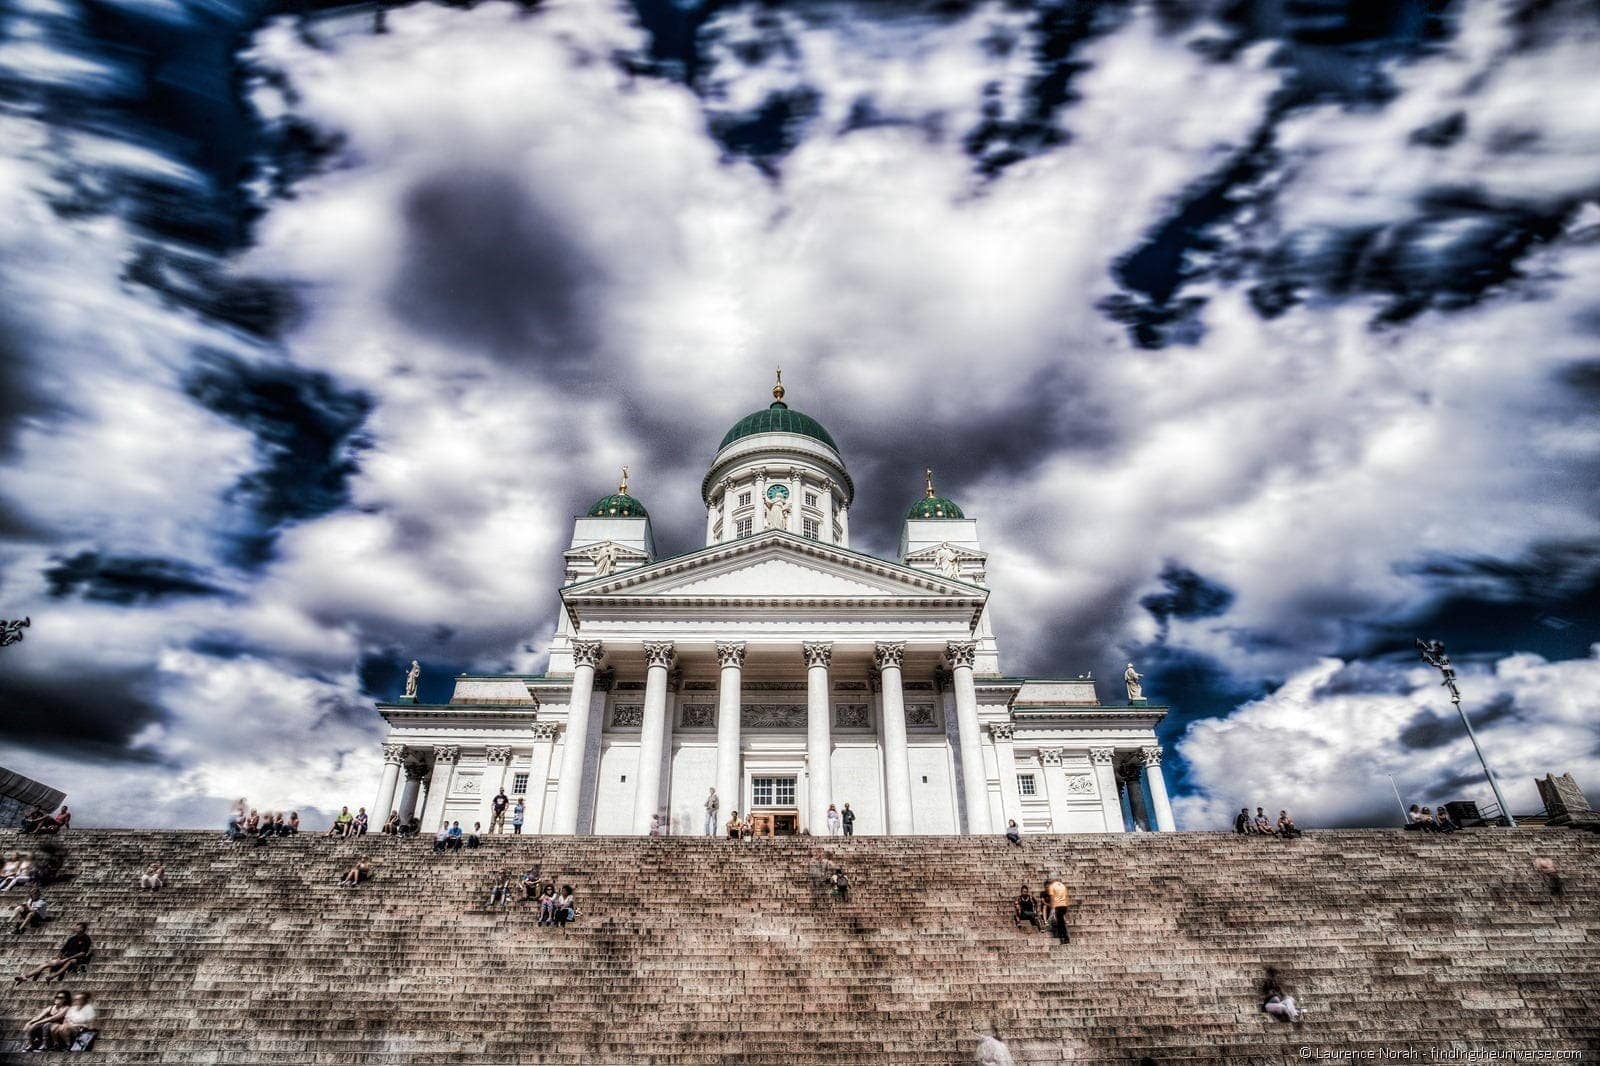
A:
623	488
777	390
928	473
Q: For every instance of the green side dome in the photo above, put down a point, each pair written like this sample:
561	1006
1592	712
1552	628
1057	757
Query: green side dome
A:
778	418
934	507
618	505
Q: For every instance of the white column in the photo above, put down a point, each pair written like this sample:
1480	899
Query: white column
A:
729	701
652	734
1105	779
1158	789
974	782
1005	757
896	760
444	772
1055	787
408	796
544	744
393	756
494	779
819	735
586	655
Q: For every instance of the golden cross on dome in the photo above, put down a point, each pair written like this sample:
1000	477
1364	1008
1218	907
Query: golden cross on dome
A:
777	390
928	473
623	488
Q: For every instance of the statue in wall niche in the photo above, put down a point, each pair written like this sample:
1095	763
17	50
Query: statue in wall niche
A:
1131	678
778	512
944	559
605	559
413	675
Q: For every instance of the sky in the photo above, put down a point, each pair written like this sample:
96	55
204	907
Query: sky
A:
1261	339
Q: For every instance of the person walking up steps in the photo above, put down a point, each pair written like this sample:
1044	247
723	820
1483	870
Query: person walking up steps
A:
1059	901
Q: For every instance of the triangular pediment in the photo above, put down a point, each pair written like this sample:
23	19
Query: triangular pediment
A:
772	566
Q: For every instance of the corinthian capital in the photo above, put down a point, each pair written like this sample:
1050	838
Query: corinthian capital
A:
394	753
1151	756
1000	730
961	652
887	653
1050	756
498	754
544	731
658	652
444	754
817	653
730	653
588	652
1102	756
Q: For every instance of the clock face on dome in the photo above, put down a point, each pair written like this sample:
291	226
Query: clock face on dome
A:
778	492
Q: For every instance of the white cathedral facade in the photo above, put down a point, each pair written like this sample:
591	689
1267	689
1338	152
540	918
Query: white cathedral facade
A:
785	670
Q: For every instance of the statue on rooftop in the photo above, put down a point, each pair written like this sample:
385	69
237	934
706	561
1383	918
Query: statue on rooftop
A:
412	676
944	559
1131	678
605	559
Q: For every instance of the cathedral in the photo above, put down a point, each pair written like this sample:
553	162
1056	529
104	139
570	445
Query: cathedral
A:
783	669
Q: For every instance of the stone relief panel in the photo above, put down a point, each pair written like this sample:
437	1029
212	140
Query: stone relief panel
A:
627	716
773	716
852	715
469	785
699	686
849	686
699	715
1082	784
920	716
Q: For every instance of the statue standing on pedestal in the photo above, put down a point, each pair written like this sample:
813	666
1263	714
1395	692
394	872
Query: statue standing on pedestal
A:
1131	678
605	559
778	513
945	561
412	676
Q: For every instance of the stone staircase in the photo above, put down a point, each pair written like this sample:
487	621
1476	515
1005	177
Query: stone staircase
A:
692	950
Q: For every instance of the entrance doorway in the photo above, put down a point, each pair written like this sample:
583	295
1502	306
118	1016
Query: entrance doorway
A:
774	807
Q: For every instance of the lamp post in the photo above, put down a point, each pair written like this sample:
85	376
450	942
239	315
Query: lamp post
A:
1433	654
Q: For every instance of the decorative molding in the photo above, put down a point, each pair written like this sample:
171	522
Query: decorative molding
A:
627	716
850	686
1050	756
699	715
852	715
773	716
774	686
501	755
628	686
394	753
961	653
700	686
1001	731
817	653
658	653
1102	756
544	731
888	653
1151	756
446	754
588	652
920	715
731	653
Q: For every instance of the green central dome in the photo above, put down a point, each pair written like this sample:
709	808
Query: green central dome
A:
934	507
778	419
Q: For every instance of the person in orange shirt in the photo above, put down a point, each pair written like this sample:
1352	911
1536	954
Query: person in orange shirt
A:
1056	894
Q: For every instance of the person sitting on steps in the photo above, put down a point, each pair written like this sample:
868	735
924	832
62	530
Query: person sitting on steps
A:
1242	823
32	820
18	872
1286	827
1026	910
1278	1003
31	913
547	905
78	1018
530	884
341	825
566	907
1263	824
1441	821
734	825
36	1030
58	824
1014	832
77	951
442	837
1415	820
1059	901
359	826
361	871
474	838
391	824
453	838
500	890
154	877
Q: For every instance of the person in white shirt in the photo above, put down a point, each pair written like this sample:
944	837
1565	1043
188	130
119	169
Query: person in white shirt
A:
154	877
80	1016
33	911
833	820
712	804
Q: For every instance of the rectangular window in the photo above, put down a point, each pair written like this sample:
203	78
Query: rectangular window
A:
741	528
1026	785
811	499
519	784
811	528
772	791
744	499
